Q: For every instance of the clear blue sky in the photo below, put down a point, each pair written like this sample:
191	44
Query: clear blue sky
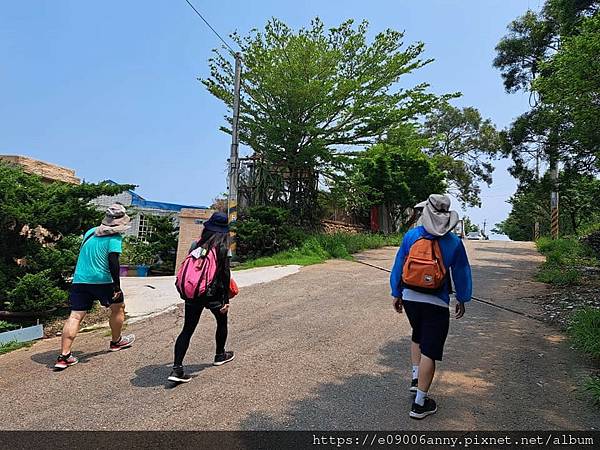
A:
109	88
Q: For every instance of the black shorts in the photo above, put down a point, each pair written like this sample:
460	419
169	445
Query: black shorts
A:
82	296
430	325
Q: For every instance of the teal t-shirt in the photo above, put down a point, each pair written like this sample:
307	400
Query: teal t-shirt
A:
92	263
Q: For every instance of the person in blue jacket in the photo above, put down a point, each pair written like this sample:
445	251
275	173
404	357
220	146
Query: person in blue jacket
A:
428	313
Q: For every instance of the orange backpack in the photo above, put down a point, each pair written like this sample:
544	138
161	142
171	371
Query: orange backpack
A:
424	269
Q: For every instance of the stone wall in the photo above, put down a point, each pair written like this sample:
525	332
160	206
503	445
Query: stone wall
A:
332	226
190	228
49	172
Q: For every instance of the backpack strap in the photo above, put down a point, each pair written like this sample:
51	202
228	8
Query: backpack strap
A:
91	235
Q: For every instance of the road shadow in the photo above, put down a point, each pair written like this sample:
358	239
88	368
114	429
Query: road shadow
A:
495	367
515	251
48	359
155	375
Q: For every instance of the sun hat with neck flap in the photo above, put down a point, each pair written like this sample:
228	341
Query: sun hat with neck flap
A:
437	219
116	221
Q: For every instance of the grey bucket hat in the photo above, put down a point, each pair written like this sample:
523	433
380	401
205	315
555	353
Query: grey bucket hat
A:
437	218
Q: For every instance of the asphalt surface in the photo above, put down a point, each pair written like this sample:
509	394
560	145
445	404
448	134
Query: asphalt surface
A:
321	349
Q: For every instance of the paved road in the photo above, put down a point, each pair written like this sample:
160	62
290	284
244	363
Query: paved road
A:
320	349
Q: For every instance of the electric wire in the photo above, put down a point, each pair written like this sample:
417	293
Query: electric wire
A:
210	26
485	302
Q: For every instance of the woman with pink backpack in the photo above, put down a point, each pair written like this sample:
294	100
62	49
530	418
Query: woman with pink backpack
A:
203	281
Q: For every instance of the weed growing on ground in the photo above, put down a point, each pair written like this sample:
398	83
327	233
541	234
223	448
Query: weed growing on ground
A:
13	345
592	386
584	330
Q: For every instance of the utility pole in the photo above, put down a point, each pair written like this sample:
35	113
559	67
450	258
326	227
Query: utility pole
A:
484	224
232	197
554	201
536	226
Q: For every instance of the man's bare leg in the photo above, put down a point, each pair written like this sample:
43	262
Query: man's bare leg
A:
426	372
415	353
70	330
117	317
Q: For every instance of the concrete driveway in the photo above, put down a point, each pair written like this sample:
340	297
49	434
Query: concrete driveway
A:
155	295
321	349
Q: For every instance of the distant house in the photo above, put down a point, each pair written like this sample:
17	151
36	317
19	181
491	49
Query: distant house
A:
144	208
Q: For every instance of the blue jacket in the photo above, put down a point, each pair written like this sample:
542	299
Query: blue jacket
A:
454	256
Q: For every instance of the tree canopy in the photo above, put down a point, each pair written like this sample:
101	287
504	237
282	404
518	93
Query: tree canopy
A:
463	145
40	228
311	93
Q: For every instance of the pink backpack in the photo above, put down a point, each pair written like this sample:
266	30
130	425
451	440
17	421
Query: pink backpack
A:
197	273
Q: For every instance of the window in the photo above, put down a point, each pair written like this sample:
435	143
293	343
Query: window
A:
144	229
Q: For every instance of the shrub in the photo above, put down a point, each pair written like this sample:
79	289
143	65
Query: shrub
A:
7	326
35	293
137	252
264	231
584	329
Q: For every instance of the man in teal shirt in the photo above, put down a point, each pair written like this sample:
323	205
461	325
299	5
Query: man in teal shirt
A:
97	278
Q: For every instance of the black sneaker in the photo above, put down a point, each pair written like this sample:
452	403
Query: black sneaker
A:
179	376
413	385
223	358
420	412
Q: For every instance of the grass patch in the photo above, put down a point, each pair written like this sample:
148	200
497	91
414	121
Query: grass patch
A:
584	330
564	257
592	386
14	345
558	276
321	247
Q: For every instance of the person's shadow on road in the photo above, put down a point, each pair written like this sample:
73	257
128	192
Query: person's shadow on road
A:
48	359
156	375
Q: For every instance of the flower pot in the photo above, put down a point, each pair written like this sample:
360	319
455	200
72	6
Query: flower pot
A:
142	271
124	270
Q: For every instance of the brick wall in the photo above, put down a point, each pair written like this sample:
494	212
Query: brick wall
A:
190	228
332	226
47	171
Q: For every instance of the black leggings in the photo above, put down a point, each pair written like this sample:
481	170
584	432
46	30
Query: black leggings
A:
192	316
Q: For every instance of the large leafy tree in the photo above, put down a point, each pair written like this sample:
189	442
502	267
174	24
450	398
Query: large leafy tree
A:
40	226
570	87
535	57
463	145
310	93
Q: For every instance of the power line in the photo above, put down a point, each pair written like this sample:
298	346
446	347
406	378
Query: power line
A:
210	26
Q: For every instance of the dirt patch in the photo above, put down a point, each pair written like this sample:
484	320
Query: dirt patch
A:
558	305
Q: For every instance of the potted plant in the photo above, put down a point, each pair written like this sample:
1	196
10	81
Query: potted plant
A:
137	253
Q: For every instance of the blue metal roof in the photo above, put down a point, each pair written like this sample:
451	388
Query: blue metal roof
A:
140	202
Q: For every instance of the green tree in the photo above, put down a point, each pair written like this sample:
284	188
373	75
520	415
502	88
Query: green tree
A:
570	86
310	93
469	226
530	58
531	202
463	145
163	240
40	228
391	175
